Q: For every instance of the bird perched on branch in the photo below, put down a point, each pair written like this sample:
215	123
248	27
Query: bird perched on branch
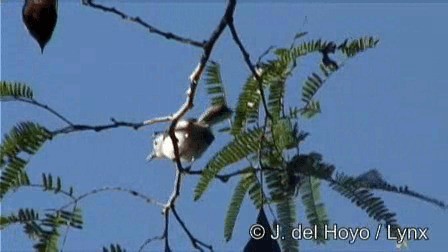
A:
194	136
39	17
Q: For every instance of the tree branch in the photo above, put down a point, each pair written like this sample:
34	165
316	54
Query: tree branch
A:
165	231
246	57
138	20
188	104
40	105
149	240
73	127
195	76
175	193
109	189
97	128
225	177
194	241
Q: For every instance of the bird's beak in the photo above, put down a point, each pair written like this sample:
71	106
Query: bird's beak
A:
156	133
150	157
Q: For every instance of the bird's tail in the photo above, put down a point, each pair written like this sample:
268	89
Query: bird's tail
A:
215	114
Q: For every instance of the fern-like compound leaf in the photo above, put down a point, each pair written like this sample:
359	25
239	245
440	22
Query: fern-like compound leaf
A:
15	90
241	146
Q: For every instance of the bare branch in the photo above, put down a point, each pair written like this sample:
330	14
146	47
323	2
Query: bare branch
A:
249	64
175	193
72	127
149	240
188	104
266	52
194	241
138	20
97	128
225	177
195	76
40	105
158	120
165	232
117	189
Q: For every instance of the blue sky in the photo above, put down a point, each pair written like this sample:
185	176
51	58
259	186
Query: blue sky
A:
387	109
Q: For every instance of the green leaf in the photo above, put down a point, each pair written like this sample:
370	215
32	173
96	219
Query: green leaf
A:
315	81
311	109
214	84
247	106
255	192
374	206
235	203
314	208
13	176
305	48
49	229
33	230
278	183
48	241
276	97
24	215
372	179
311	165
114	248
73	219
49	185
352	48
241	146
25	137
285	134
286	212
15	89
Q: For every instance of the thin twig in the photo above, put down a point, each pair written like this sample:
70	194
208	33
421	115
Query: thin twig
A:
194	241
225	177
266	52
195	76
72	127
63	192
188	104
165	232
40	105
117	189
158	120
138	20
149	240
96	128
67	228
246	57
175	193
257	76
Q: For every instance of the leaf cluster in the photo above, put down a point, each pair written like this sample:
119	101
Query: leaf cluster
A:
277	172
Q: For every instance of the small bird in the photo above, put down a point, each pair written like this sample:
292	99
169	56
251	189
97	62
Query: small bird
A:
39	17
194	136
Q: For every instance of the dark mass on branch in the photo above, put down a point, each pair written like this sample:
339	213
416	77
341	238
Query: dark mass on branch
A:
39	17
